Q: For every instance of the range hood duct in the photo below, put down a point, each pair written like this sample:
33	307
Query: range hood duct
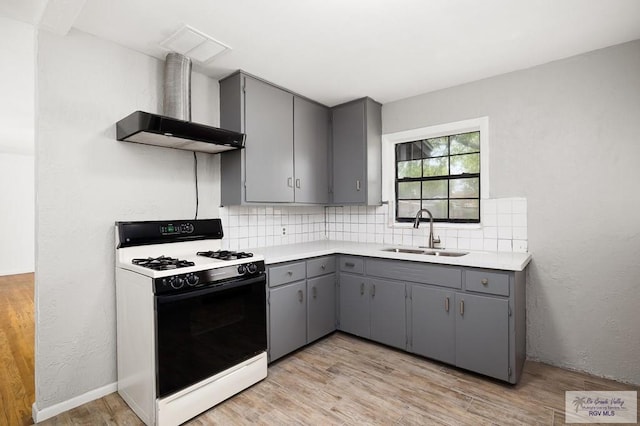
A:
174	129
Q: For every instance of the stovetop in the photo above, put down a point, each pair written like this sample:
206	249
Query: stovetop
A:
162	263
225	254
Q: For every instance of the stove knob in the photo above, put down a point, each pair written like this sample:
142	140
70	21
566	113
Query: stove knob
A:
192	279
241	269
252	268
176	282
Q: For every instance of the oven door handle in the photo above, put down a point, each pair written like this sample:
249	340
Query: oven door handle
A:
209	290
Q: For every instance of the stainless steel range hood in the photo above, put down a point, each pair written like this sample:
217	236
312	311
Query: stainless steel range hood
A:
175	129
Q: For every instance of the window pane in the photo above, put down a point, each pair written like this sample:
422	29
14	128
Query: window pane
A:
465	142
436	147
464	188
408	208
409	151
409	169
409	190
464	209
434	189
436	166
438	208
469	163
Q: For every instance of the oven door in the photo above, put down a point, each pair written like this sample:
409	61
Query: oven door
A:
205	331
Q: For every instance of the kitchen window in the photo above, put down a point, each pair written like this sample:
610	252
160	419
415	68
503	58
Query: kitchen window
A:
440	168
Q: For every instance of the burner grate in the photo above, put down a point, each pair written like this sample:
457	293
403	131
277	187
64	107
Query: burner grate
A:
225	254
162	263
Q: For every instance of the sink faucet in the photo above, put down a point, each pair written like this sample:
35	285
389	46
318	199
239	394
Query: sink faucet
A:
416	224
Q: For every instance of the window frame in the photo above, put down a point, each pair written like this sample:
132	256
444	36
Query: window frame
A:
389	142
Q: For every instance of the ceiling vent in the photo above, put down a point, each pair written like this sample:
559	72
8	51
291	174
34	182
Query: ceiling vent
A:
195	44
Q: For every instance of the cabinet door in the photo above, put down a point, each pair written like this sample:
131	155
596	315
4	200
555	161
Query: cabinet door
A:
269	143
349	153
433	323
388	317
287	319
321	306
354	305
311	145
482	334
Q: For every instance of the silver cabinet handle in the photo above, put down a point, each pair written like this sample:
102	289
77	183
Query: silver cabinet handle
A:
349	264
315	292
323	267
289	273
485	281
446	304
290	182
373	291
298	183
462	307
358	185
361	289
300	296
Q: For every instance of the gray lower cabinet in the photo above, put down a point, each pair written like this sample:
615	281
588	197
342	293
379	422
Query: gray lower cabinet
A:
301	304
468	317
373	309
321	306
287	319
482	334
433	323
354	305
388	319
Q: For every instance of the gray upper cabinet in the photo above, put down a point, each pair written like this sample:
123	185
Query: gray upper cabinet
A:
311	147
269	143
286	146
356	153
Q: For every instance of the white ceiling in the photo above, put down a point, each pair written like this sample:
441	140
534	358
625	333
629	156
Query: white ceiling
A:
337	50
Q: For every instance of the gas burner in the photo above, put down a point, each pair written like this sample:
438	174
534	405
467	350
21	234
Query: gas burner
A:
162	263
225	254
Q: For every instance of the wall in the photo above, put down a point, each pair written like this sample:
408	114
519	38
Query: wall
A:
267	226
565	136
17	53
86	180
504	228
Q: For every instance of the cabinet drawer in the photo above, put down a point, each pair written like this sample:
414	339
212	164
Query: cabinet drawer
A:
490	282
321	266
286	273
425	273
355	265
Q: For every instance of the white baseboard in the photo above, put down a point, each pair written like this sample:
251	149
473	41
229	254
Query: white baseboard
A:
18	271
61	407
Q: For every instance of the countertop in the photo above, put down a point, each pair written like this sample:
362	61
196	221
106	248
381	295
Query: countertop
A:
480	259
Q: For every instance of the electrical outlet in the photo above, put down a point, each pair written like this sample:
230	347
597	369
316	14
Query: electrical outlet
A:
284	230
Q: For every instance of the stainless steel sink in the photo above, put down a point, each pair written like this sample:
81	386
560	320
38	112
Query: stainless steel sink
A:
403	250
426	252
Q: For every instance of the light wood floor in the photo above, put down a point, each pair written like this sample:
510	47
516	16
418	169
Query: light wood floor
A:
345	380
16	349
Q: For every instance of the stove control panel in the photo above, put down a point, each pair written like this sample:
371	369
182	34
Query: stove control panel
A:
210	277
177	228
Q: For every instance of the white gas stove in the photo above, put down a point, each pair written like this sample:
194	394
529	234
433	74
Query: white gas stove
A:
191	318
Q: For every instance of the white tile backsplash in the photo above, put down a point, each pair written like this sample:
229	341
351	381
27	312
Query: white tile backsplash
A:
503	227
